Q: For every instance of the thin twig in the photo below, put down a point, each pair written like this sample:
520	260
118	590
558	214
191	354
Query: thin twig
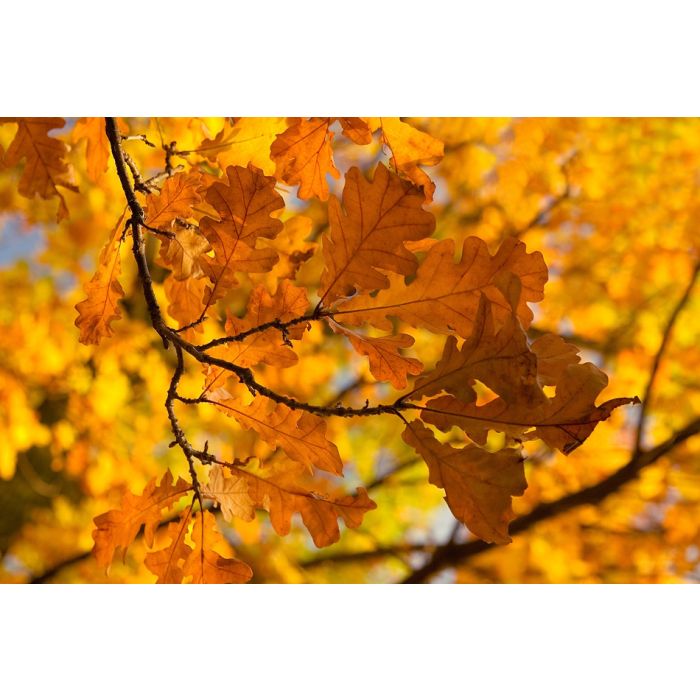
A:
455	554
666	337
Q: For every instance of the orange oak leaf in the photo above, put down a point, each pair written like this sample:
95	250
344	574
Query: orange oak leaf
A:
265	347
179	194
44	169
410	148
204	564
554	355
182	254
304	157
356	129
97	311
118	528
367	234
502	360
248	140
283	497
92	130
293	247
479	485
269	346
186	299
287	303
445	295
563	422
167	563
244	204
386	363
301	435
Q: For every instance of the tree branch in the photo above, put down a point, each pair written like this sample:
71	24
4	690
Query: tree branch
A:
454	554
169	335
668	330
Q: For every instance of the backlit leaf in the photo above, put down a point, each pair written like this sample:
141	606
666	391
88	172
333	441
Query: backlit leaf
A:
97	311
117	529
304	157
45	168
479	485
368	232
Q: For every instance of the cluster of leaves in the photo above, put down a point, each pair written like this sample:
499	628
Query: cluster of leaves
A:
260	307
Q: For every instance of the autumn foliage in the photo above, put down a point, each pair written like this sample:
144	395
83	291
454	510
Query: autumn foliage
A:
256	308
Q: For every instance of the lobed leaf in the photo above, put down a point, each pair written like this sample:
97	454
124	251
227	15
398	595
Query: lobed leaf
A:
245	204
385	360
239	492
445	295
45	168
411	148
367	234
304	157
100	307
301	435
479	485
117	529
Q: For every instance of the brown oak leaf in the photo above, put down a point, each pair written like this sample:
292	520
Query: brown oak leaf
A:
368	232
478	485
445	295
245	204
563	422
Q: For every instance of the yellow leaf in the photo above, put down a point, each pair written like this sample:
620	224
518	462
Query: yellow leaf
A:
247	141
411	148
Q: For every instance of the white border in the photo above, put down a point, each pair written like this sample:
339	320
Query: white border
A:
360	642
443	57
